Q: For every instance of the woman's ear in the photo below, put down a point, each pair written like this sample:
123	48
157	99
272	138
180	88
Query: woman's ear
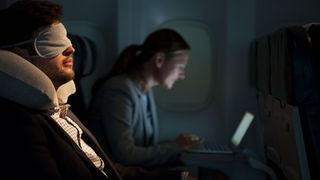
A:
159	59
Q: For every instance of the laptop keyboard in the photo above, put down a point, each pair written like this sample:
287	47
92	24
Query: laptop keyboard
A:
210	147
216	147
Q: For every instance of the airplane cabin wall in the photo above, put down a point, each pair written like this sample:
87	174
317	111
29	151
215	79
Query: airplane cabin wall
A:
274	14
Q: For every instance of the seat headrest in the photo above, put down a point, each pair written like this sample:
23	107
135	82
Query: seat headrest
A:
24	83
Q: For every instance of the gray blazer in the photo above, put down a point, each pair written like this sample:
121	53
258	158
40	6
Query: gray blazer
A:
119	120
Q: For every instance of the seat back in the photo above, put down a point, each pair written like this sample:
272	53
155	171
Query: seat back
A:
287	81
84	64
90	62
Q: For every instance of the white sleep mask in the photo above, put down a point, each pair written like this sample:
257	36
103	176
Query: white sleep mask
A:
52	41
49	43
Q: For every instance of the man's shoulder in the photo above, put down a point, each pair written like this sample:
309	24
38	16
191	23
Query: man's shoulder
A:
7	105
18	113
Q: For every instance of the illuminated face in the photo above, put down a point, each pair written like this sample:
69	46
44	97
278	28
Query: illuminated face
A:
59	69
54	54
173	69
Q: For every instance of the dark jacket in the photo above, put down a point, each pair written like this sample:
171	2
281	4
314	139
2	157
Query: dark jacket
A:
34	146
119	119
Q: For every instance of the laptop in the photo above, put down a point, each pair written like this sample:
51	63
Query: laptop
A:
209	147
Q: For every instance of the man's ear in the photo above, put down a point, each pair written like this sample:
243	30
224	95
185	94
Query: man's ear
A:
159	59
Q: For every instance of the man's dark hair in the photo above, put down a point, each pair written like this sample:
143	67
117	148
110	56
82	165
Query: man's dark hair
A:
21	19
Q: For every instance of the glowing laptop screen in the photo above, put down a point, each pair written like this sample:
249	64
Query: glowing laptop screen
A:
242	128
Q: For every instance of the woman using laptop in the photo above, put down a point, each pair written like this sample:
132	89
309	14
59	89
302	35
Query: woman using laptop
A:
124	105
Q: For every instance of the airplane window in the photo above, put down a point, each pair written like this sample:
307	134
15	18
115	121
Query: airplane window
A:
194	92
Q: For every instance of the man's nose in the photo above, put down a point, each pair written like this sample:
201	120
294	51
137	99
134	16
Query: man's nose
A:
69	51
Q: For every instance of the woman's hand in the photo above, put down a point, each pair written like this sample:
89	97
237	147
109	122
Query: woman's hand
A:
185	141
185	176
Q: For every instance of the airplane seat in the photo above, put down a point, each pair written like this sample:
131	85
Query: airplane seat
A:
84	64
90	62
312	108
313	31
289	101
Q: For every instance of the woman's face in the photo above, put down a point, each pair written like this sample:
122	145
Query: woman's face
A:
172	69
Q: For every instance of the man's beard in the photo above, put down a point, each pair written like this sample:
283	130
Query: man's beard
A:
60	76
63	78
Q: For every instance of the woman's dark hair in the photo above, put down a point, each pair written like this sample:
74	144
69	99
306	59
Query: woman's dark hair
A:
21	19
133	57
